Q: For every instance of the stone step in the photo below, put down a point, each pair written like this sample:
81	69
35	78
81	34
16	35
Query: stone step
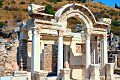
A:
52	78
117	71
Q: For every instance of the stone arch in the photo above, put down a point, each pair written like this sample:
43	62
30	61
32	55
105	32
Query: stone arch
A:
77	11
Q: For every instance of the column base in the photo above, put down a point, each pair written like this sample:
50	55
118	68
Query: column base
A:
94	71
65	74
41	75
20	73
109	69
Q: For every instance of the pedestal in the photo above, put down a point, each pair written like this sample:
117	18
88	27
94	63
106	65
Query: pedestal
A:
65	74
20	73
109	69
94	71
41	75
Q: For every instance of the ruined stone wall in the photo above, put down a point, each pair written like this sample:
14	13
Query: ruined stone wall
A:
50	58
8	57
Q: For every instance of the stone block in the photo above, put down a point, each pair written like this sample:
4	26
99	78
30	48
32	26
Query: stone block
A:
65	74
41	75
20	73
109	69
94	72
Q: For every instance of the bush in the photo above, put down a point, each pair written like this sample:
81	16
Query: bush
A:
1	24
49	9
115	22
105	15
22	2
55	1
1	4
113	13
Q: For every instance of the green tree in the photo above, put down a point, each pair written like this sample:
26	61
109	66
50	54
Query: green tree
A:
49	9
115	22
1	4
55	1
1	24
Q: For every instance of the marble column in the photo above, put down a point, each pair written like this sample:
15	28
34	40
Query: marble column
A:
105	49
66	55
88	56
94	71
60	53
35	59
42	55
115	55
95	47
110	71
104	54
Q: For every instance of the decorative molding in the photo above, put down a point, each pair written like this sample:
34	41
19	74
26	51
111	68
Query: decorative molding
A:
105	37
60	33
87	34
35	32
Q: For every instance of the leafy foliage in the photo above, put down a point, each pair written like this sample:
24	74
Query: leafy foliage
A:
1	4
49	9
115	22
1	24
55	1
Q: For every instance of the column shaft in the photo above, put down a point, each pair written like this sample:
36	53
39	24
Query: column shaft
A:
104	54
101	54
42	54
66	55
105	50
60	54
35	59
88	56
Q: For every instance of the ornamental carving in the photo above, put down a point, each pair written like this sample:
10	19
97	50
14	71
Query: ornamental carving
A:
87	34
35	32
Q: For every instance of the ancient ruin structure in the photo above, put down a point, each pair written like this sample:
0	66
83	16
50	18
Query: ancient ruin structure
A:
50	47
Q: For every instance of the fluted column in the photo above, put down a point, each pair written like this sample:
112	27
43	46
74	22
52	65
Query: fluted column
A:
105	49
60	53
66	53
104	54
35	59
88	56
42	55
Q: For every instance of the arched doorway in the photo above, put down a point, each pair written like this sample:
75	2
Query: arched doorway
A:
77	12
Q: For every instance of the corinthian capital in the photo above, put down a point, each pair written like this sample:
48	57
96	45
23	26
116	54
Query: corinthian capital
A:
60	33
105	36
35	32
87	34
